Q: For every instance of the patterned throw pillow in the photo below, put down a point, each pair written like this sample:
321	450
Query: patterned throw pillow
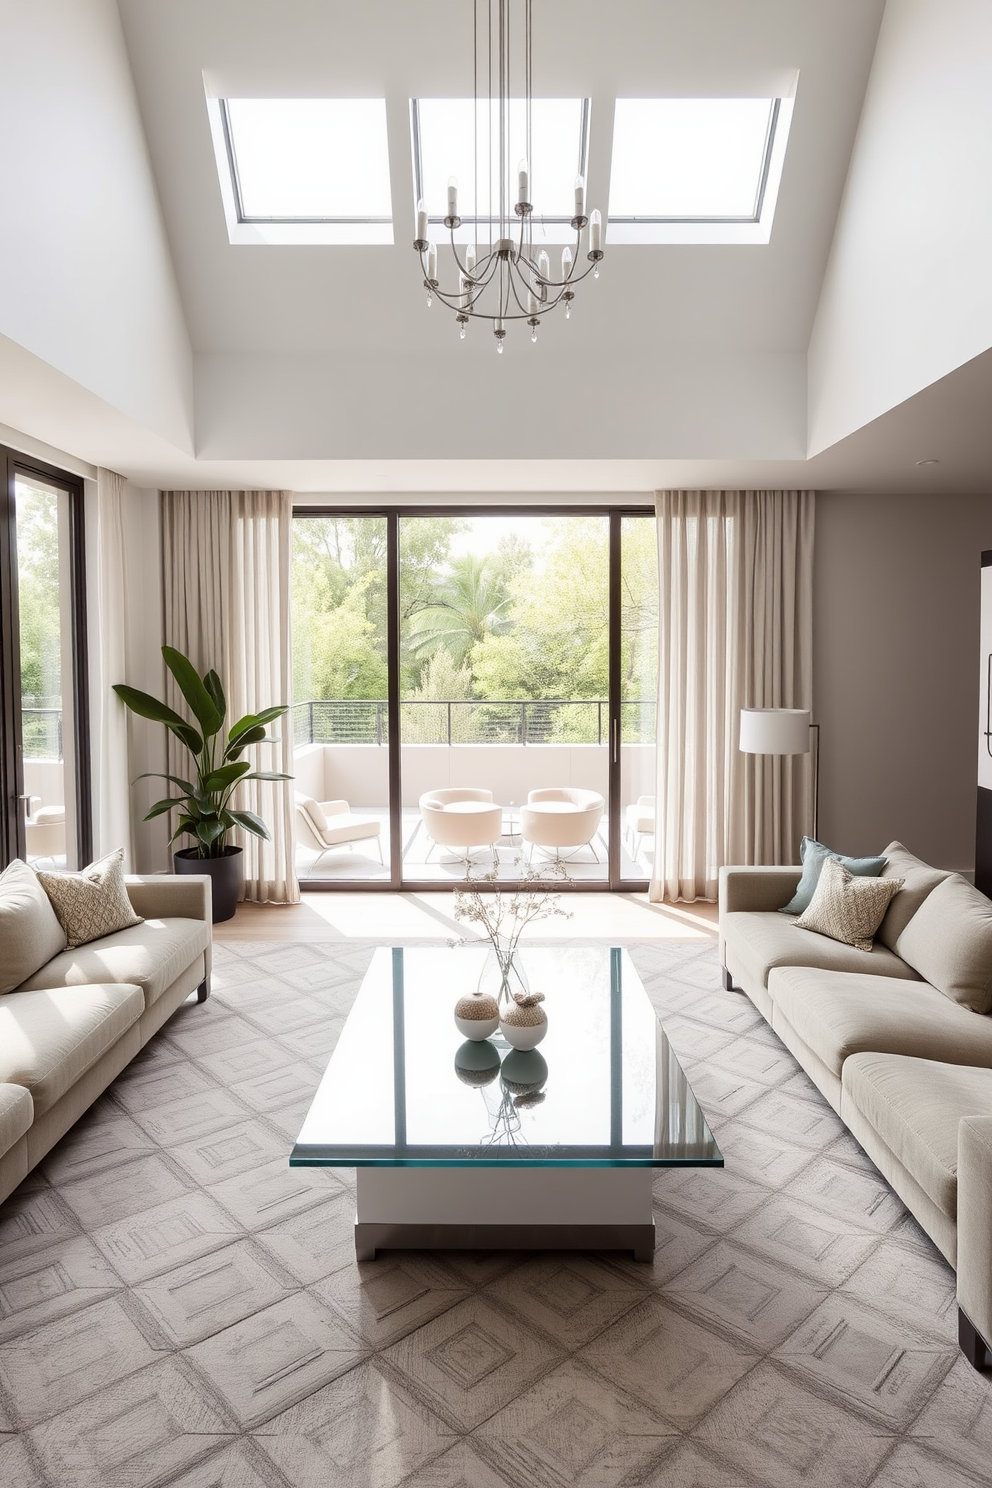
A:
812	855
846	907
91	903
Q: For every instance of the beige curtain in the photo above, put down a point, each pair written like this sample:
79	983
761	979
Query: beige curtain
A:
735	631
225	558
107	665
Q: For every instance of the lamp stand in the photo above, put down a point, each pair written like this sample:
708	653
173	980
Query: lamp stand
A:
814	728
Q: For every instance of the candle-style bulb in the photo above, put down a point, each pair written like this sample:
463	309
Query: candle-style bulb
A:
523	182
452	196
566	263
580	196
544	266
421	222
595	232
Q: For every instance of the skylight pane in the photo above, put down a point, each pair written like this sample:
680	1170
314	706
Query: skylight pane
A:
696	159
448	148
306	159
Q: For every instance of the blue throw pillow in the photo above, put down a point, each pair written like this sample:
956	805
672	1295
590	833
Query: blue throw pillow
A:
813	855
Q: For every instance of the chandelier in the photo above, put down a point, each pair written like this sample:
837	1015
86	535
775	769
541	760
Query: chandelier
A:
502	279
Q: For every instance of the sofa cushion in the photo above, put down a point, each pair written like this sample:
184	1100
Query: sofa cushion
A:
949	942
846	907
93	903
151	955
814	854
30	933
16	1115
918	879
49	1039
915	1105
838	1016
761	940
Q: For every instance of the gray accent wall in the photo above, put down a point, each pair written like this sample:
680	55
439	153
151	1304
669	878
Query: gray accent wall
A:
896	670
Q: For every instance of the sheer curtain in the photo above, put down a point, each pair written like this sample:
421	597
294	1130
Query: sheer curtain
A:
107	665
736	631
225	559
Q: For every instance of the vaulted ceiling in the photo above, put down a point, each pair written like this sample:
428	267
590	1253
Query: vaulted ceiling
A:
320	367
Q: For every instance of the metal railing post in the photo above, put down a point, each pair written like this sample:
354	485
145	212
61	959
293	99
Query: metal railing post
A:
449	723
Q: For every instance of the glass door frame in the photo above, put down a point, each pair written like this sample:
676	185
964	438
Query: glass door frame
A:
614	882
14	464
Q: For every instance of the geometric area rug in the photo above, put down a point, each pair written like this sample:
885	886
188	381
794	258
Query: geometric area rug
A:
179	1307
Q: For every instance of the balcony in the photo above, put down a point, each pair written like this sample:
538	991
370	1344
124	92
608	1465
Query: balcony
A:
510	747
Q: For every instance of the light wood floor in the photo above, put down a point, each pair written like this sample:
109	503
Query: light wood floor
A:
412	916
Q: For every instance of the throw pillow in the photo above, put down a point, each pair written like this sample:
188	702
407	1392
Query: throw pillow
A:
92	903
30	933
813	855
949	942
919	879
848	907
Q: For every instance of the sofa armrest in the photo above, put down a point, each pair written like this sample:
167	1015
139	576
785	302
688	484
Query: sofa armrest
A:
170	896
975	1222
757	889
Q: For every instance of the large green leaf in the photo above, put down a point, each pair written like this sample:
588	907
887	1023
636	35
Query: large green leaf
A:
252	720
250	736
225	775
215	688
267	775
191	685
146	706
184	785
251	823
161	807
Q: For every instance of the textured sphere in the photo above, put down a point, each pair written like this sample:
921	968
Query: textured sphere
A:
476	1015
524	1071
524	1023
476	1063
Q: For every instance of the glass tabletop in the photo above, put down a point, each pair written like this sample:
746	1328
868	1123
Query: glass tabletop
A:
603	1089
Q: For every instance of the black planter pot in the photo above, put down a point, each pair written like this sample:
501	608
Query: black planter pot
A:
226	875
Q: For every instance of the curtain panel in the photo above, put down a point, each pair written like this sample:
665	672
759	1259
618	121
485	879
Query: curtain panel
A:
735	631
225	561
108	664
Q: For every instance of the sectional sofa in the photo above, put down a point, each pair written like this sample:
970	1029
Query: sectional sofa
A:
898	1039
71	1026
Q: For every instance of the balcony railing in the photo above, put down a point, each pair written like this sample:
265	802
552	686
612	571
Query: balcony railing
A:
472	721
41	733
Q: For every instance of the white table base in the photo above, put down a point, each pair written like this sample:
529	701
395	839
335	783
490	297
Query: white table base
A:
574	1208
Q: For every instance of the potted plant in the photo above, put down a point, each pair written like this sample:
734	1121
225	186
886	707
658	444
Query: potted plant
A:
204	807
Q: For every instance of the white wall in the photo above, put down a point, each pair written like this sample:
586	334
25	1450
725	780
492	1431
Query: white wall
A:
86	280
907	296
896	671
679	405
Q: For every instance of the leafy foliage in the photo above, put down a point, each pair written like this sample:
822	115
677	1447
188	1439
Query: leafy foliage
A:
204	802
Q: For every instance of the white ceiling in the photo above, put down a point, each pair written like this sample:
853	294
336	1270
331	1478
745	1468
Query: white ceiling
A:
649	380
307	299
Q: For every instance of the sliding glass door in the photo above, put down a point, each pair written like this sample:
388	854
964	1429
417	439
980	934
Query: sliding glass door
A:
474	696
44	759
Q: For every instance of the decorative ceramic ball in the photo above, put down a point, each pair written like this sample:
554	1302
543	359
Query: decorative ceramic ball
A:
476	1015
525	1022
523	1072
476	1062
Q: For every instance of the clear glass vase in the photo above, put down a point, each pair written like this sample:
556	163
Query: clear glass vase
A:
503	973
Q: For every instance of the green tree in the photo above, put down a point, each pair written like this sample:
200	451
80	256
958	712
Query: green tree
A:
471	601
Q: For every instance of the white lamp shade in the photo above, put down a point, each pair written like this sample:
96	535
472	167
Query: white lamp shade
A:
775	730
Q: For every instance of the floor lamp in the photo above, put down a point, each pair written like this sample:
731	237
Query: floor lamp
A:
783	731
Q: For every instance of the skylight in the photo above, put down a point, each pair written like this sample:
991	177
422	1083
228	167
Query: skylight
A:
304	169
447	143
696	169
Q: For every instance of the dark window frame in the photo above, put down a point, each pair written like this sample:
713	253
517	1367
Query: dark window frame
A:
615	514
12	833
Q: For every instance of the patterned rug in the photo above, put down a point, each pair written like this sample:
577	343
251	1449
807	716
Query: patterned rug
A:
179	1307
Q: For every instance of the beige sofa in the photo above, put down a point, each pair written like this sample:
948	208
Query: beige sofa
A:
72	1026
898	1039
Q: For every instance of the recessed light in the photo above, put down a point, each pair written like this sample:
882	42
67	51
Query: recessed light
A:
928	462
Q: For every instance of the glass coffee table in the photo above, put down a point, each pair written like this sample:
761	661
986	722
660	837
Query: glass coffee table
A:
475	1145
